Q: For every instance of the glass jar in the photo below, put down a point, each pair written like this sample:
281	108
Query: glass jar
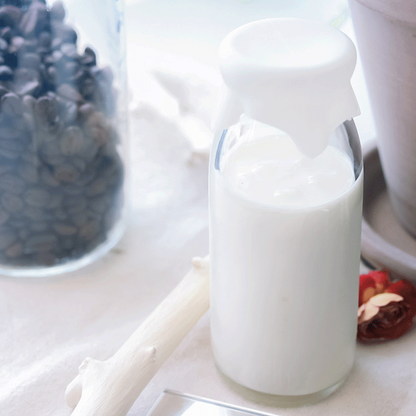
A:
63	126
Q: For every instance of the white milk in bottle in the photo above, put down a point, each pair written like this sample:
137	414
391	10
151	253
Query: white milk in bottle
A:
285	210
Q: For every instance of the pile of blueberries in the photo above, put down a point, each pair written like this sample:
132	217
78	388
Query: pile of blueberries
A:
61	175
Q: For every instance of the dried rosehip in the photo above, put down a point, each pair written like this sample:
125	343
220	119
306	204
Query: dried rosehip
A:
372	284
386	310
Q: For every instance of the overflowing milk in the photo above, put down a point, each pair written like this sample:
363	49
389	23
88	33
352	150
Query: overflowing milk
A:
285	209
272	171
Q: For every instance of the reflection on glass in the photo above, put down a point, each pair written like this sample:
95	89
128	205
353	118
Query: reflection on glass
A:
177	404
207	409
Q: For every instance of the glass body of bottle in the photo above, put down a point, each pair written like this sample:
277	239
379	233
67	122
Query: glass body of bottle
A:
284	249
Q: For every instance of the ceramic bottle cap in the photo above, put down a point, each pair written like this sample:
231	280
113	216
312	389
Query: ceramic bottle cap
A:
293	74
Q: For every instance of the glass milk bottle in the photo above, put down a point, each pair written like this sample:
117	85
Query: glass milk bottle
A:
62	130
285	210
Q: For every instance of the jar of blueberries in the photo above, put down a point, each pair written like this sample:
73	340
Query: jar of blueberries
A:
63	125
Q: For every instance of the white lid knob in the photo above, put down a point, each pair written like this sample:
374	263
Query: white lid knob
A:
293	74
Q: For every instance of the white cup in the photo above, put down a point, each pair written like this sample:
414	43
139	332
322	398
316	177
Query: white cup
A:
386	37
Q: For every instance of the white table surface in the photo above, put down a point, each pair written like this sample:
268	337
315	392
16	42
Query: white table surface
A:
47	327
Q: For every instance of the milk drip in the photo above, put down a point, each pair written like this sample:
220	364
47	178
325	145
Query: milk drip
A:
285	210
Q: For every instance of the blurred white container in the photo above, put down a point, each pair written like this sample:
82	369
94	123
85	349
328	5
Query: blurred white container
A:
387	42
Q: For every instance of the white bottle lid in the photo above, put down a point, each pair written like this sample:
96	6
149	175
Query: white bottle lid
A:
293	74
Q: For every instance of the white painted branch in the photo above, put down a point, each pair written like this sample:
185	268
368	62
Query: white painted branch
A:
109	388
